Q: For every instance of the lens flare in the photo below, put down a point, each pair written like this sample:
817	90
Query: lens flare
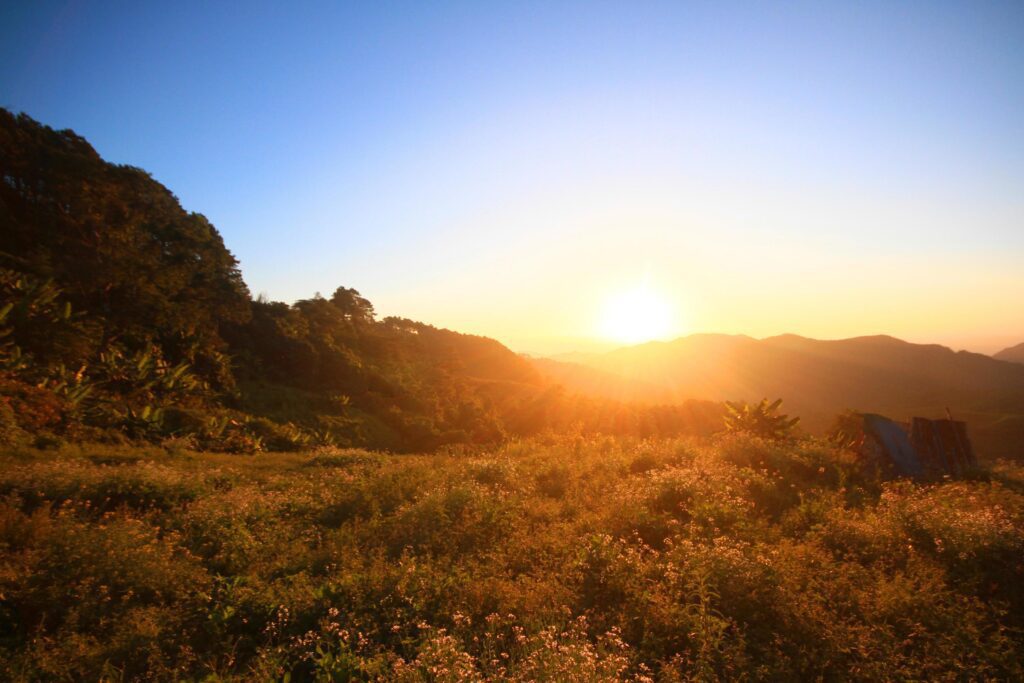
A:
636	315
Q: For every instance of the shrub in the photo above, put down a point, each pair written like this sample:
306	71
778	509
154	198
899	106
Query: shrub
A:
759	419
557	559
553	481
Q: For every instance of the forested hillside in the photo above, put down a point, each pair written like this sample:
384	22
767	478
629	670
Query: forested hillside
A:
124	316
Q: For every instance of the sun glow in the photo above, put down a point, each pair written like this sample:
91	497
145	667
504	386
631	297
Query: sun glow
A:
636	315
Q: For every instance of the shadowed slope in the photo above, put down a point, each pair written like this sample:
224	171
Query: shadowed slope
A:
1014	354
819	379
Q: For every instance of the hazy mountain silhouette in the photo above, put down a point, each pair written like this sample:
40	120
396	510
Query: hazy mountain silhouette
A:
580	377
817	379
1014	354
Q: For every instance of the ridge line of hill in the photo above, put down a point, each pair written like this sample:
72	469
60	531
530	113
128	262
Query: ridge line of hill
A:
817	378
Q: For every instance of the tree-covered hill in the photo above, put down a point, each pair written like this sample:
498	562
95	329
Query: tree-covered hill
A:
122	315
138	268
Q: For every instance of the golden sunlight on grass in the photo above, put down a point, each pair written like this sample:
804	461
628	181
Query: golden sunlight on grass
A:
637	315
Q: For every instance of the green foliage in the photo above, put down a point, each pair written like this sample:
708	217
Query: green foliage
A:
118	246
759	419
38	329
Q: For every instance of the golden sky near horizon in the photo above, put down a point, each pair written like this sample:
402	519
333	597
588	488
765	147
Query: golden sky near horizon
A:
696	262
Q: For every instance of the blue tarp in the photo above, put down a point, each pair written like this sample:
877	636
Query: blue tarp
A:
896	444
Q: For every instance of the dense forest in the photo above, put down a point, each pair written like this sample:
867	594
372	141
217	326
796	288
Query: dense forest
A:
124	317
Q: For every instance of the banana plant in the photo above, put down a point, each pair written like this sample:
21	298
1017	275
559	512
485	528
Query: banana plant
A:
147	419
11	356
760	419
215	427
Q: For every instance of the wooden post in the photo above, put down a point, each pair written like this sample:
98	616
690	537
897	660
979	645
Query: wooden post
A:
961	450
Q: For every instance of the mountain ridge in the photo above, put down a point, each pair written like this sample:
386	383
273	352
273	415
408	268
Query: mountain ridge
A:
1012	354
820	378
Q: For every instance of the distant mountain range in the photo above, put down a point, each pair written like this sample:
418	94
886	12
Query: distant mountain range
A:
1014	354
816	379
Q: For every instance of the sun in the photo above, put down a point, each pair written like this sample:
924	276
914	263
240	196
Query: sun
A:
636	315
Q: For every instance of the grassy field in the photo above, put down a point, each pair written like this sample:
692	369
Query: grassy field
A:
570	559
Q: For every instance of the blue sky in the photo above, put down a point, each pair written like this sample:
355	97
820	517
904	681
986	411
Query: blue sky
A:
506	169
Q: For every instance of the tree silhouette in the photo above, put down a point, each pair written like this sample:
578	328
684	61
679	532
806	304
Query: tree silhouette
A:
354	307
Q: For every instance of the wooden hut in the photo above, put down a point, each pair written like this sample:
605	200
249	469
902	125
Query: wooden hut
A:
942	445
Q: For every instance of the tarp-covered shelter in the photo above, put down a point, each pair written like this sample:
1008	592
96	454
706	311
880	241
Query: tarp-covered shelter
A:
919	448
887	440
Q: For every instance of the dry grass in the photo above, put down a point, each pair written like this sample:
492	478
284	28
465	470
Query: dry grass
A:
564	559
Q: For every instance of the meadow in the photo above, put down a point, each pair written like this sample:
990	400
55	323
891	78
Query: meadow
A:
568	558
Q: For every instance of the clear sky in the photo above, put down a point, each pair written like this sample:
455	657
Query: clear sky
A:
515	169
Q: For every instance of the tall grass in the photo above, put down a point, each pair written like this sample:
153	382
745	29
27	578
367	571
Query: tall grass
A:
570	559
